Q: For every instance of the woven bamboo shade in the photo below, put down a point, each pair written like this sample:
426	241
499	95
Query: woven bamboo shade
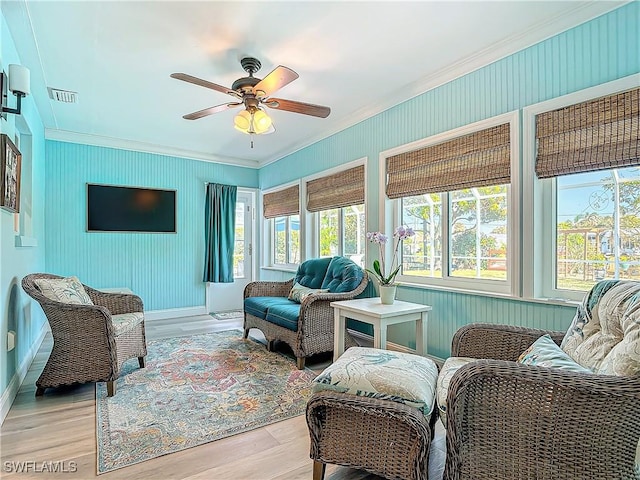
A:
336	191
479	159
281	203
595	135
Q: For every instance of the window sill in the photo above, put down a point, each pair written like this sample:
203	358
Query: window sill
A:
280	269
547	301
22	241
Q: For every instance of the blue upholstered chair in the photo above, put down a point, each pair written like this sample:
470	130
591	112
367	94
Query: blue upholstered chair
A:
298	311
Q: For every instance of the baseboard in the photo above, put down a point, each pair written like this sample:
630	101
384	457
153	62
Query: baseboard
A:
11	391
396	347
175	313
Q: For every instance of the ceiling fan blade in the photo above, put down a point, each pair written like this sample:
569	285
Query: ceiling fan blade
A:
204	83
298	107
278	78
211	110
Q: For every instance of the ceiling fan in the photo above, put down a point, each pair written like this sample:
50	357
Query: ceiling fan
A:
254	93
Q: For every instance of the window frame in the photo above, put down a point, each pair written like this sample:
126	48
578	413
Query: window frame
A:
390	214
540	198
287	230
341	231
312	219
269	229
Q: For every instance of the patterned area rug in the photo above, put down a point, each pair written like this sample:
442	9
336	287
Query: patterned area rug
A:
228	315
195	390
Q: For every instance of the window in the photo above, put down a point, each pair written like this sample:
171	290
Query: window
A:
597	227
342	232
239	242
282	211
585	195
423	256
286	240
455	192
329	232
338	203
353	234
477	240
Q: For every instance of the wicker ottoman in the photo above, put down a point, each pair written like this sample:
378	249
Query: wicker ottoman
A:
374	410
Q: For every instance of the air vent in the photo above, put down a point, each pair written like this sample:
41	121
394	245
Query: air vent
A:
64	96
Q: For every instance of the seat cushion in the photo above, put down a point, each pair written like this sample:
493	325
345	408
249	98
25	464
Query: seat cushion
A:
342	275
311	273
371	372
604	335
450	367
258	306
65	290
285	315
126	321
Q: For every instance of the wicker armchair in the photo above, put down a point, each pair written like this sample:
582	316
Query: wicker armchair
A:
314	331
87	346
506	420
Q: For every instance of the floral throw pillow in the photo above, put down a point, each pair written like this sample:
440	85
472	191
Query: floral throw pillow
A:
299	292
544	352
65	290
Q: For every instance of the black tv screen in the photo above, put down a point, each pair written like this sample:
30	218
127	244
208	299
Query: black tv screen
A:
130	209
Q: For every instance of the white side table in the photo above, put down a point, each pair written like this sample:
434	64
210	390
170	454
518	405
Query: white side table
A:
373	312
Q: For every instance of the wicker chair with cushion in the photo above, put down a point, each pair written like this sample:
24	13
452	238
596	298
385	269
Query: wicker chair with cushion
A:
94	332
298	312
529	409
374	410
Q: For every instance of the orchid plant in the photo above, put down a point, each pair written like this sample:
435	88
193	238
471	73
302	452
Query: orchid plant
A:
379	270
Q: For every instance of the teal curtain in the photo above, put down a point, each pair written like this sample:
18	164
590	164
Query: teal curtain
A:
219	230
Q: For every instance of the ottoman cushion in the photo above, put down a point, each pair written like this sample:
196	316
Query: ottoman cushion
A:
371	372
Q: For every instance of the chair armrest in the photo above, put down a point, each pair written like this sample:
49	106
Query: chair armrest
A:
116	303
334	297
316	314
553	424
268	289
78	321
327	298
495	341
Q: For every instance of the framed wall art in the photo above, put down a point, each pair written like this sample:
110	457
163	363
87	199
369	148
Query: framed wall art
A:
9	175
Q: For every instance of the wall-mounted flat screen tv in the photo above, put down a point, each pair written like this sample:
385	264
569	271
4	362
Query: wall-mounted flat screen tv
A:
130	209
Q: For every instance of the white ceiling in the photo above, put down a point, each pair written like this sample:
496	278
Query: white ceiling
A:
359	58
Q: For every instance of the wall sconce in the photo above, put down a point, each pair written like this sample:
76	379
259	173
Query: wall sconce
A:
18	82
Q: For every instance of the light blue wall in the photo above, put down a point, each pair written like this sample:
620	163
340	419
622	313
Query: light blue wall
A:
164	269
16	312
599	51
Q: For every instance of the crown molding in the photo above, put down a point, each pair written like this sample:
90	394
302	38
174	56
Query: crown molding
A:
122	144
502	49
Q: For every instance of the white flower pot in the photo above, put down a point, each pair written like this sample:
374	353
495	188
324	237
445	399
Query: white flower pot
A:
387	294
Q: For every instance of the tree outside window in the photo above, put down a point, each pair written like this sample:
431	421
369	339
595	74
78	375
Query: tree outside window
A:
597	227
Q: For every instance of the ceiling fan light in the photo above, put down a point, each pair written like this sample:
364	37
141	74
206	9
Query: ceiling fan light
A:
261	121
242	121
243	130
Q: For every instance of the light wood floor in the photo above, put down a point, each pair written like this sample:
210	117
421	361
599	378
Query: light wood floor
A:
61	427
